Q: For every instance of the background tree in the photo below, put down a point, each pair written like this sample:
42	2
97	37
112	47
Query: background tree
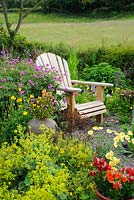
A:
12	32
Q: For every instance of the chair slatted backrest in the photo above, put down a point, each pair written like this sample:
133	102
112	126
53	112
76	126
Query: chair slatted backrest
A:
59	64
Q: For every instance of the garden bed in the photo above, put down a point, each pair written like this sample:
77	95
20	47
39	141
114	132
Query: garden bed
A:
102	141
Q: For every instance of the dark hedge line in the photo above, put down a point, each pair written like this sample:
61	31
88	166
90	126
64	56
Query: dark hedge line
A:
77	6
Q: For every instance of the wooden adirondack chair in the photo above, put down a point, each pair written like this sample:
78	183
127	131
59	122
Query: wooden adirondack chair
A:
95	108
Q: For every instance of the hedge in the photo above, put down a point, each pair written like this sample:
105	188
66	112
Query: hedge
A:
121	56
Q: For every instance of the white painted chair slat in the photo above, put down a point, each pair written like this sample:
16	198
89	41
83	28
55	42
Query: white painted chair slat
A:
89	105
39	62
62	71
44	60
53	60
94	113
92	109
66	69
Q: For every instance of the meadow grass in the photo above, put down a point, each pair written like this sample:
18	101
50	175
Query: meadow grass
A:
79	32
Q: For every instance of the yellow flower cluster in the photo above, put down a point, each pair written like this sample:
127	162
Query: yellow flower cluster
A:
95	128
129	137
113	160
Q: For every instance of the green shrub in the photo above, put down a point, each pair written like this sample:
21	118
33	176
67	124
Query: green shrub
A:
120	56
34	167
103	72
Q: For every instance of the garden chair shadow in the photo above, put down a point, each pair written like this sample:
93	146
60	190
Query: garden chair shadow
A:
94	108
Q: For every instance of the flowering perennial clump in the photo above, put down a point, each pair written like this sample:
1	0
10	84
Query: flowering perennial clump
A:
43	106
114	183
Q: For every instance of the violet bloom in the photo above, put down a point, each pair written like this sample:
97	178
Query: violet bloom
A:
17	60
22	92
51	87
3	53
31	82
30	61
12	62
4	80
1	86
52	67
57	71
37	68
19	85
41	76
22	73
47	70
60	79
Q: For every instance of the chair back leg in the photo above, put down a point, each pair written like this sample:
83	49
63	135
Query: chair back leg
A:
99	118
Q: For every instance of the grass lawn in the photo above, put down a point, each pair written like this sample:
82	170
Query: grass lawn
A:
82	35
80	32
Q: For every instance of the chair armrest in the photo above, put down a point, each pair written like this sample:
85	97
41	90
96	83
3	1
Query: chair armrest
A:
69	89
92	83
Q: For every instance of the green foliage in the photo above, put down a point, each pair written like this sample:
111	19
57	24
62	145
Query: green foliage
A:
19	80
103	72
73	63
120	104
34	167
121	57
4	39
8	125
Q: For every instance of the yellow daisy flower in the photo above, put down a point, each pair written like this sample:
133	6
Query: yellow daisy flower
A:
25	113
109	131
13	98
130	133
109	155
62	150
31	96
19	100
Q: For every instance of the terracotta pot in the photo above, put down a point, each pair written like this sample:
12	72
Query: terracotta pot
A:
100	196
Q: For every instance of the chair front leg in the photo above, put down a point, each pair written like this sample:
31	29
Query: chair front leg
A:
70	110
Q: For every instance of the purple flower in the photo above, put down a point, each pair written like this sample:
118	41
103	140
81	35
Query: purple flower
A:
3	53
12	62
19	85
50	86
1	86
22	92
59	79
30	61
4	80
37	68
52	67
31	82
47	70
57	71
17	60
41	76
22	73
